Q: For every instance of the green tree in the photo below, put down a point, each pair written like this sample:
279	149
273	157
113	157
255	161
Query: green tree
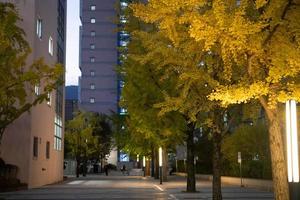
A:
79	140
17	78
102	133
252	141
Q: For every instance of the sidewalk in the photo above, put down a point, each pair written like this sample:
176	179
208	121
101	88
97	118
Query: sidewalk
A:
114	186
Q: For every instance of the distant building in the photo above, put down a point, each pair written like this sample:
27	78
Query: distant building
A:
34	142
71	102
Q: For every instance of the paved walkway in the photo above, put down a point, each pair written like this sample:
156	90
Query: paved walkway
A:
131	187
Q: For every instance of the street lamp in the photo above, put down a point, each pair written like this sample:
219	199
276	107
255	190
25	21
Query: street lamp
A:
292	148
160	163
144	165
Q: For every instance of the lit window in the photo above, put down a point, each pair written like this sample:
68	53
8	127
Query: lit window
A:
93	33
93	20
123	19
92	59
122	84
123	43
92	100
92	73
39	23
51	46
123	111
92	86
93	7
37	89
49	98
124	5
58	133
92	46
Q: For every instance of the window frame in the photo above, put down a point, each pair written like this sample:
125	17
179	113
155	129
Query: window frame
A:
39	27
92	86
92	73
93	7
58	131
92	100
47	150
51	46
35	147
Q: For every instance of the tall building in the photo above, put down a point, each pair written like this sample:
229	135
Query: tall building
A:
100	39
98	56
71	102
34	142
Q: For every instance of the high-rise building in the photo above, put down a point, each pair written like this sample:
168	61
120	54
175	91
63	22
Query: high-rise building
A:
34	142
101	36
98	56
71	102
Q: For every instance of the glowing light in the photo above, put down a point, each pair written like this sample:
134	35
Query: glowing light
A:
292	141
160	156
144	161
138	158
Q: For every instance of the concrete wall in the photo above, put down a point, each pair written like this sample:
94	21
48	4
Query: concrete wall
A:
17	144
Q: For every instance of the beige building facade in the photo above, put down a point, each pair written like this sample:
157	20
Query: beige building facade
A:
34	142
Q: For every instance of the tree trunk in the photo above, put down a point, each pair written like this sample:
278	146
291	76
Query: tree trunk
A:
156	176
217	192
279	168
101	164
77	167
165	165
190	167
152	162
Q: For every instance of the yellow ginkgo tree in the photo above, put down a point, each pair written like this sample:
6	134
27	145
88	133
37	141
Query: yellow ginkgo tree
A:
259	45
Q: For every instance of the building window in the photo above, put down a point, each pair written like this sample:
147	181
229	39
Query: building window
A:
93	33
123	111
50	46
92	59
47	150
124	5
58	133
49	99
37	89
93	20
92	72
39	24
93	7
92	46
92	100
35	147
123	43
92	86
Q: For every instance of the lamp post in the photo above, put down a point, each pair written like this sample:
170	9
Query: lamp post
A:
160	164
144	165
137	160
292	149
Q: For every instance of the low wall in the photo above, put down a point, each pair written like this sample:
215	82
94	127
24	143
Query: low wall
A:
247	182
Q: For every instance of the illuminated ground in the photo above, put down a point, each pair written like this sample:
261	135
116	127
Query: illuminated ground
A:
130	187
